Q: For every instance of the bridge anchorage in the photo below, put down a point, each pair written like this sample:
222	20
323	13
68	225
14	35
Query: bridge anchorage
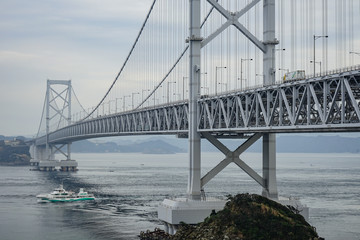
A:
43	155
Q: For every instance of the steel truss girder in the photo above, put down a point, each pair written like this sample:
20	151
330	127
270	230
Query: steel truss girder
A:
323	104
326	104
170	119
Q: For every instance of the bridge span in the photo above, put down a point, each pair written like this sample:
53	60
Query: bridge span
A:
326	102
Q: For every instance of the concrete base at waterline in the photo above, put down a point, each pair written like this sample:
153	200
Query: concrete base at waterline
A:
294	202
54	165
68	165
47	165
174	211
34	162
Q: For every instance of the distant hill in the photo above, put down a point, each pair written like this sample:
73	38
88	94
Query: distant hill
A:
301	144
14	153
165	144
10	138
146	147
158	144
318	144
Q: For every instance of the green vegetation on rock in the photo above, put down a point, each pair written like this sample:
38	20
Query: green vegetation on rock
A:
249	216
14	153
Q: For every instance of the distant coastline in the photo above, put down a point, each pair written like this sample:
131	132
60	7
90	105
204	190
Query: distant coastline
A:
286	143
14	152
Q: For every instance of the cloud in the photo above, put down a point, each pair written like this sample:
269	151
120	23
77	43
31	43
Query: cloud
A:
82	40
85	41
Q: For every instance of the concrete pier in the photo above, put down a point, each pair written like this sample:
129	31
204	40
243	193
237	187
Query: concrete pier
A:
54	165
295	202
34	162
47	165
174	211
68	165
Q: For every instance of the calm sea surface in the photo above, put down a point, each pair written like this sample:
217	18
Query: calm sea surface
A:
129	187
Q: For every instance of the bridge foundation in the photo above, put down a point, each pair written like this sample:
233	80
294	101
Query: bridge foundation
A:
34	162
68	165
192	211
174	211
47	165
43	159
269	166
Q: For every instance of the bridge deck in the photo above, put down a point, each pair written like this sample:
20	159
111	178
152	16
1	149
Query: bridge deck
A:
323	104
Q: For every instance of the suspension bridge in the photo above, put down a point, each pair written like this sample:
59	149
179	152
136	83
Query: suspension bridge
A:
207	69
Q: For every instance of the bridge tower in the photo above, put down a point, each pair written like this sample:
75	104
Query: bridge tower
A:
269	139
57	114
194	209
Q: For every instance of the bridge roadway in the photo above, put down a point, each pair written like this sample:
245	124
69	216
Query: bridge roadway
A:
321	104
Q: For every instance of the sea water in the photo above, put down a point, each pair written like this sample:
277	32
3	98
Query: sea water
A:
129	188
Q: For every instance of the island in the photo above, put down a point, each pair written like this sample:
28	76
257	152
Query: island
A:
245	217
14	153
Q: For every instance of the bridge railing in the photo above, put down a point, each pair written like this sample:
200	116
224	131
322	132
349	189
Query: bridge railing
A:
309	76
334	71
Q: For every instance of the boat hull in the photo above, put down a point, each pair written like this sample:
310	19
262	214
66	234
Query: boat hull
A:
66	200
61	195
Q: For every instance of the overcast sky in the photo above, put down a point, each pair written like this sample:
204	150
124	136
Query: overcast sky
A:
82	40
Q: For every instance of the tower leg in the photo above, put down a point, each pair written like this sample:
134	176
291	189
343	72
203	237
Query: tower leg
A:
68	157
194	191
269	166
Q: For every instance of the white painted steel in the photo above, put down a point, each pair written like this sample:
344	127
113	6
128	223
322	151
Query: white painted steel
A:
326	104
174	211
269	166
194	190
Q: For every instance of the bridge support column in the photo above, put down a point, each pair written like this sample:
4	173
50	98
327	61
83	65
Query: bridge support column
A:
194	190
269	166
47	161
43	159
269	41
34	155
192	209
43	154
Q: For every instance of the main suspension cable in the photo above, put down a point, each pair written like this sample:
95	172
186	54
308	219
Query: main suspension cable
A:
127	59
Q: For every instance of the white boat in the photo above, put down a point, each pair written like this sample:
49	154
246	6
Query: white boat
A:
61	195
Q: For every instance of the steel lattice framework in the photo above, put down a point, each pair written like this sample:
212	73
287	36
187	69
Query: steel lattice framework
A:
329	103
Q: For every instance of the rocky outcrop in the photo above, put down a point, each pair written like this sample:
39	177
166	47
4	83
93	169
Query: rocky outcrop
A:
249	216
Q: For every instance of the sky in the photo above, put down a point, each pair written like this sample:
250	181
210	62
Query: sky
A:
85	41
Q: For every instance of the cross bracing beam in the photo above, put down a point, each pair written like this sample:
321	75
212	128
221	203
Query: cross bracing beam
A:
232	19
232	156
325	104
